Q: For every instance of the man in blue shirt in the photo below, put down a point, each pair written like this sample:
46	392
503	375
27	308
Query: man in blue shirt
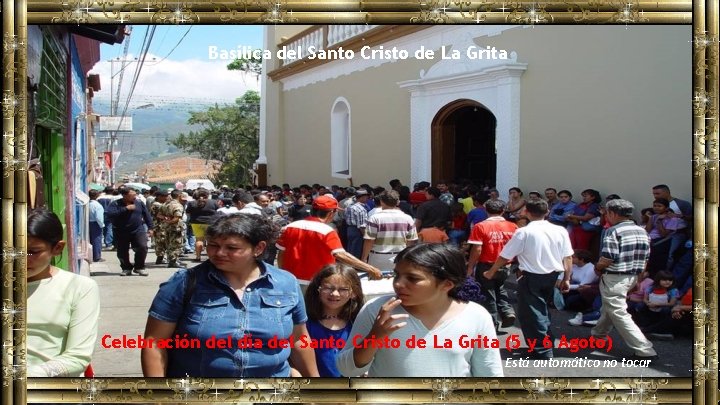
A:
128	215
96	225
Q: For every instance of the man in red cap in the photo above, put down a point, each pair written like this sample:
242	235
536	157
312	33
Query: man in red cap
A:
307	245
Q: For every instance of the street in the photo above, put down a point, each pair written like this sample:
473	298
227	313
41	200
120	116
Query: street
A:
125	301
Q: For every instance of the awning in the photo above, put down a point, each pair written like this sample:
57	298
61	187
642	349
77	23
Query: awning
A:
81	198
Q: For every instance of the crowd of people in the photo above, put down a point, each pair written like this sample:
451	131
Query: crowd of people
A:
286	263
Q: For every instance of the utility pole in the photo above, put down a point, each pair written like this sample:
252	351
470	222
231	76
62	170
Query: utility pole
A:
114	102
114	98
113	134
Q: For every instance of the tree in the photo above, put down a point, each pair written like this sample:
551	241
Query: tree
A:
229	134
251	65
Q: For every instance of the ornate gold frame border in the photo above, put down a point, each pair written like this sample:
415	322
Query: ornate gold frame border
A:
703	14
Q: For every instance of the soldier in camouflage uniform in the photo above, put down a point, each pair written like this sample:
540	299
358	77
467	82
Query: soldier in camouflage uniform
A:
174	228
158	237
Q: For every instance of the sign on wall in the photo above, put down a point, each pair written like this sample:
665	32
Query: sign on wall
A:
120	124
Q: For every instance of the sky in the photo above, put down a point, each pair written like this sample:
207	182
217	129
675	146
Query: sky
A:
178	71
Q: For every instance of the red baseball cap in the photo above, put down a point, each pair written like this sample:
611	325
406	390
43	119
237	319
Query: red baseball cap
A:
325	203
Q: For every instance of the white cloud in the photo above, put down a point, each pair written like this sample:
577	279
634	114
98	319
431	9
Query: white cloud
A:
176	82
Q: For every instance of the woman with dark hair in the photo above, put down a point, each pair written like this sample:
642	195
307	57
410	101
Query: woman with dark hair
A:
561	209
234	295
585	220
428	281
62	307
660	226
404	204
300	208
200	213
515	205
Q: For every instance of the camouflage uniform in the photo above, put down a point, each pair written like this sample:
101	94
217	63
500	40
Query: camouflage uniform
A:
174	233
159	232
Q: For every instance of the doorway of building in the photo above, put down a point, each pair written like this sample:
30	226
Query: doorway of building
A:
463	143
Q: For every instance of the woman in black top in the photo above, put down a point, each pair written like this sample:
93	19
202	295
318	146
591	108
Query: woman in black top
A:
299	210
200	213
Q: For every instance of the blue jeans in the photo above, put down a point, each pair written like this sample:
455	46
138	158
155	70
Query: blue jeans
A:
535	292
456	237
355	240
108	234
96	240
676	241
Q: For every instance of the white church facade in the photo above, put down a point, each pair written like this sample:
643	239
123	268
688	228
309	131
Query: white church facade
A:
570	107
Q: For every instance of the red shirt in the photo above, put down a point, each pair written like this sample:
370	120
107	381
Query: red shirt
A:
308	245
458	221
687	298
492	233
417	197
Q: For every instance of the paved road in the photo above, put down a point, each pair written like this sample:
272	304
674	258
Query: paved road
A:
125	301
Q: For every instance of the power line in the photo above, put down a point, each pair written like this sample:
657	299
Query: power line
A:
175	47
146	42
162	40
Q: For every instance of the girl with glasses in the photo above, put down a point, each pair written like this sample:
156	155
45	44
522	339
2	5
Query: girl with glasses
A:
333	300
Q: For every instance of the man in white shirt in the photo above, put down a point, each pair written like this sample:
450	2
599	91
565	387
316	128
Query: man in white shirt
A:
542	250
239	200
259	202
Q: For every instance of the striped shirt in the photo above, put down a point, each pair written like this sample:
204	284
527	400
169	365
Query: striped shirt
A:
356	215
628	246
391	229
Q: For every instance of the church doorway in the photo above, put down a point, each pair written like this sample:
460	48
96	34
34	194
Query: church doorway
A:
463	143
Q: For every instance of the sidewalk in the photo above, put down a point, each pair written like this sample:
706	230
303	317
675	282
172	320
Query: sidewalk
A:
124	304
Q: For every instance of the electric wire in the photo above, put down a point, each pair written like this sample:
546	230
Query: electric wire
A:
146	43
173	49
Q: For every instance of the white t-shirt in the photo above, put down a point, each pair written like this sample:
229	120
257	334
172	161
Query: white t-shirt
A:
251	208
581	275
430	361
228	210
539	247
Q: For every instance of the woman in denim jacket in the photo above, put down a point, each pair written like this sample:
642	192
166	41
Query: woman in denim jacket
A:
564	207
231	316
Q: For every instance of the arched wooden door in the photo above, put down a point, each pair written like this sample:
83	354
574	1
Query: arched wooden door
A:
463	143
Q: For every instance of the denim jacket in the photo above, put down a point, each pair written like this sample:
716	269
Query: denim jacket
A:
559	211
270	307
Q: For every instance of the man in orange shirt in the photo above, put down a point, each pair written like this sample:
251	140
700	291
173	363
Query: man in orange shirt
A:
308	245
487	239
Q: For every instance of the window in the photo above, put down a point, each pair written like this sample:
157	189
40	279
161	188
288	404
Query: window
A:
340	139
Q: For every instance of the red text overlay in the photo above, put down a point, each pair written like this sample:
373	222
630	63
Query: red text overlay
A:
512	342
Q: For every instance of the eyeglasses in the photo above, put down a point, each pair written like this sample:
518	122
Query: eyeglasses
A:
329	289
